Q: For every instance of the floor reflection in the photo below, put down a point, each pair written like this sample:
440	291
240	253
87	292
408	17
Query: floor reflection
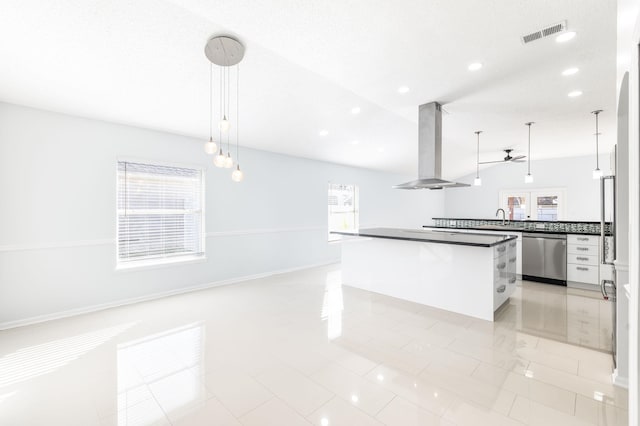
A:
333	305
298	348
160	374
33	361
575	316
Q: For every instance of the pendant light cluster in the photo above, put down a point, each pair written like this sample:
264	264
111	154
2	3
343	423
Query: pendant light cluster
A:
226	52
597	173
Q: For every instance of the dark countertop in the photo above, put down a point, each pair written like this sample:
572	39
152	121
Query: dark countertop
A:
534	226
521	221
508	229
435	236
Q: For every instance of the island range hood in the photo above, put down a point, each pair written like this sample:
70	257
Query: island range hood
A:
430	151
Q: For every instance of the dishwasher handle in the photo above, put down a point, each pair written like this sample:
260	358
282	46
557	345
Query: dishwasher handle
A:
543	236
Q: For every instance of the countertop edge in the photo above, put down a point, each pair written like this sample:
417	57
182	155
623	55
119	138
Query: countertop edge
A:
427	240
523	221
530	231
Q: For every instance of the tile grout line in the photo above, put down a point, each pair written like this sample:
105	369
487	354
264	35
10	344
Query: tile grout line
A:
512	404
385	406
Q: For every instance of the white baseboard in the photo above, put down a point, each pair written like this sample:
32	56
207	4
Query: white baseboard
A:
94	308
620	381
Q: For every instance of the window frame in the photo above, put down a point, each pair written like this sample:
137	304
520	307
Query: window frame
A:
160	262
356	211
532	193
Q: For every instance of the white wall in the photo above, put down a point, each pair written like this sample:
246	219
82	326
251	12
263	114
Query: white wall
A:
628	60
573	174
58	220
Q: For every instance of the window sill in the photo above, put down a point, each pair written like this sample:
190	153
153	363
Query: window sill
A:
342	237
159	263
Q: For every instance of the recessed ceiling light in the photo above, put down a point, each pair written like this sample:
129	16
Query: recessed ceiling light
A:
570	71
323	132
355	142
403	89
475	66
355	110
574	94
565	36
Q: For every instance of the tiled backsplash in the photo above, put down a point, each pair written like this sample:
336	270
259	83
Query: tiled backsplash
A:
568	227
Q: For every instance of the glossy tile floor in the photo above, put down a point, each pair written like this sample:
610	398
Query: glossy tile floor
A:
300	349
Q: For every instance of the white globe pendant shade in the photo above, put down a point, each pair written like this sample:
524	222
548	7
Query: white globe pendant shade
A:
597	174
224	125
219	159
210	147
237	175
228	161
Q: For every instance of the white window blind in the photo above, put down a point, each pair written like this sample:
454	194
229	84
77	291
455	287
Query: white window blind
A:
343	209
159	212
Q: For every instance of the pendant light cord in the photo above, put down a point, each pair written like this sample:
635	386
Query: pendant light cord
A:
529	149
227	102
478	154
221	108
478	157
597	112
210	101
238	114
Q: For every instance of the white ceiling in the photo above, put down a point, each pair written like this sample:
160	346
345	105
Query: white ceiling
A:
309	62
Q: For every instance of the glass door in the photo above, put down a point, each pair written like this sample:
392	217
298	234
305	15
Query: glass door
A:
540	204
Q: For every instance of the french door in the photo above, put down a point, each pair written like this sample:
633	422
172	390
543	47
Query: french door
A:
539	204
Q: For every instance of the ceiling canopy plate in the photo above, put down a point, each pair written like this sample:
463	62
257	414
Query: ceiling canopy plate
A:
224	51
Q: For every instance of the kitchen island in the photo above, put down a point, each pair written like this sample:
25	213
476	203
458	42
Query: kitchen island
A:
471	274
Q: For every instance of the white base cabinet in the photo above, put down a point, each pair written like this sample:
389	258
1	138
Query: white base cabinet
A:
583	260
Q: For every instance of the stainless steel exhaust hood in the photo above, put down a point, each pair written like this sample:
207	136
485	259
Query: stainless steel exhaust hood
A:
430	151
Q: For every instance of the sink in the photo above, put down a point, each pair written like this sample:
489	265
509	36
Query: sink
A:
500	227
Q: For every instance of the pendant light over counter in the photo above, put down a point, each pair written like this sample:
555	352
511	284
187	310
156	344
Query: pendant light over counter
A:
597	173
226	52
529	177
477	181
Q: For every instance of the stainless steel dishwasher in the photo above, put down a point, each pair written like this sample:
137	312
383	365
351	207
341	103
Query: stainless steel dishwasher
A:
544	257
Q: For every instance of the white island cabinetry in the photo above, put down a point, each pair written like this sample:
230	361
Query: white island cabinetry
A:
470	274
517	243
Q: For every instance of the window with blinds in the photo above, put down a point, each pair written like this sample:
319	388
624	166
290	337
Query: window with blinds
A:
343	209
160	213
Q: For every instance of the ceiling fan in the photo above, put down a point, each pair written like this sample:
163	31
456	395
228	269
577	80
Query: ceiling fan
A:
508	158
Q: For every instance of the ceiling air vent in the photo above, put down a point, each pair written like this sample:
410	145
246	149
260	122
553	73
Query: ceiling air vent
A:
544	32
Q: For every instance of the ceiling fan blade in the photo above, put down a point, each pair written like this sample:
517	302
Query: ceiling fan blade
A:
491	162
518	157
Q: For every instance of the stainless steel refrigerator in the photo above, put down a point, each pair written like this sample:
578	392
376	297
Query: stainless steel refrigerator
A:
608	250
614	249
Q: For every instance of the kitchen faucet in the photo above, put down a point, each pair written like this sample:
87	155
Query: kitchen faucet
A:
503	215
